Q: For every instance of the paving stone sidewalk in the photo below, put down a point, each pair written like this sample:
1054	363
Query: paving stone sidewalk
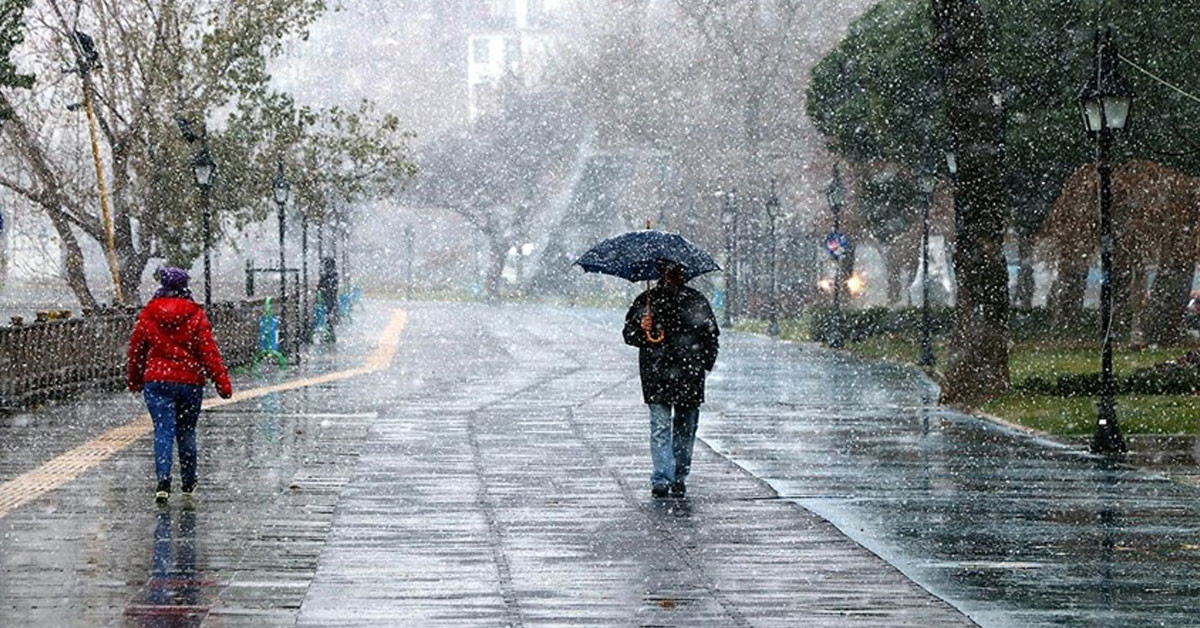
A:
496	475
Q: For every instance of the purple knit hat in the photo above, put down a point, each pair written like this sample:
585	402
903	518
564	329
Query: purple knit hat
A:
174	283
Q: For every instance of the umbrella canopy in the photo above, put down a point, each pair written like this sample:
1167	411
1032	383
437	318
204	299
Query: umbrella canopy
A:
635	255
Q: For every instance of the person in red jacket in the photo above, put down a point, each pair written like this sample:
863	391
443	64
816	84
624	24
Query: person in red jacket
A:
171	353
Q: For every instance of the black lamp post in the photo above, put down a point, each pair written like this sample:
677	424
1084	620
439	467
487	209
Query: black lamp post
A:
305	319
205	171
1105	101
282	190
772	209
836	194
729	222
408	274
927	184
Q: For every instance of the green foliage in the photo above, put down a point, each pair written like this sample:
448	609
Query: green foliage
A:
12	33
877	96
349	155
890	206
860	325
205	63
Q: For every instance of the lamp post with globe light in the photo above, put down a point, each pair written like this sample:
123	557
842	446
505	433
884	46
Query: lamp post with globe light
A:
926	183
205	171
1105	103
772	209
282	191
836	195
729	220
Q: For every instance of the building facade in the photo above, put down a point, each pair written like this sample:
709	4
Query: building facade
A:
509	47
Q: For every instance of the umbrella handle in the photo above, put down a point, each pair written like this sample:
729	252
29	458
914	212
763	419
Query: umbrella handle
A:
650	334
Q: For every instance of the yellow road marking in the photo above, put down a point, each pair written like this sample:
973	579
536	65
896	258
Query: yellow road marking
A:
67	466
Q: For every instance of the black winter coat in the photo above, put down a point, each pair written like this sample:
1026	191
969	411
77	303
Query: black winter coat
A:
673	371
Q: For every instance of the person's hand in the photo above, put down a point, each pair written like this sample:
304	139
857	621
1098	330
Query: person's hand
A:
647	322
225	393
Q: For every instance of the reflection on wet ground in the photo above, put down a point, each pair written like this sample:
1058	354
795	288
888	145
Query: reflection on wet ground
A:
176	595
1012	529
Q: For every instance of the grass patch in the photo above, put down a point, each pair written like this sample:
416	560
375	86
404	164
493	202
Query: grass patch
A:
891	347
794	329
1045	360
1064	416
1076	416
1071	355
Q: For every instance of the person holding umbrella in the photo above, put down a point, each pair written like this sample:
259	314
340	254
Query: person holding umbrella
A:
676	333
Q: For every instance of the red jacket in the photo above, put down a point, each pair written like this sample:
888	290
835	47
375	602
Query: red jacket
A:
173	342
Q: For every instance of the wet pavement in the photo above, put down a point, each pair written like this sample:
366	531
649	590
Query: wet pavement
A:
1012	529
495	474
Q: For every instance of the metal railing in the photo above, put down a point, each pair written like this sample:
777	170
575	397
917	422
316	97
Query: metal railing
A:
61	358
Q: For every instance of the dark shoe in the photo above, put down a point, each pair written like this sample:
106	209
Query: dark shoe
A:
678	489
659	490
163	492
188	489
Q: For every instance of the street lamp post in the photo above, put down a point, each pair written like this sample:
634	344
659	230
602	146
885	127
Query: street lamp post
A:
1105	101
305	322
772	209
729	222
409	237
282	190
927	185
836	194
205	171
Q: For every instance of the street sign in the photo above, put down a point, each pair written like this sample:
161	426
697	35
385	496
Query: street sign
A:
837	245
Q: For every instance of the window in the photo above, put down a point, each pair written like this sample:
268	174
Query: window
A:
502	8
535	13
512	52
480	49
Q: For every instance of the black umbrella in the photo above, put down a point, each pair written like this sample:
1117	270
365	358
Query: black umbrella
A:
635	256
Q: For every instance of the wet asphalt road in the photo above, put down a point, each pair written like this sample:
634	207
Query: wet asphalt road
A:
495	475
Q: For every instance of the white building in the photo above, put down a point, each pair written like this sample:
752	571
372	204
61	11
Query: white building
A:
512	44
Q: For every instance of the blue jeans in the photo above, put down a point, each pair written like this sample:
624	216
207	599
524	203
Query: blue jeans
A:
175	408
672	436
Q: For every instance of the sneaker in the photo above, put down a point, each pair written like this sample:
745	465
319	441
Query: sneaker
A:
163	492
659	490
678	489
188	490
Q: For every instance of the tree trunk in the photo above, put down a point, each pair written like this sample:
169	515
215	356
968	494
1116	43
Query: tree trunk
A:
1023	293
977	365
1066	297
73	266
495	269
1164	320
897	275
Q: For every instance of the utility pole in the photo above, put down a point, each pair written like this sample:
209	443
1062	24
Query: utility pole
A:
87	59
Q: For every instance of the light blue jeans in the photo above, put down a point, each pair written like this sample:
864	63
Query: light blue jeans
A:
672	436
